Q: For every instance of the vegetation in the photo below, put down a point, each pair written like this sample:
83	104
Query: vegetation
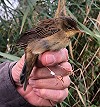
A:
84	53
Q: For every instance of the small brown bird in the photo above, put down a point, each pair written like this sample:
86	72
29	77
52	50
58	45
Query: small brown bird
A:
49	35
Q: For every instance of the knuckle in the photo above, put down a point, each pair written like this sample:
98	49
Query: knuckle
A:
64	53
66	92
66	67
69	66
68	81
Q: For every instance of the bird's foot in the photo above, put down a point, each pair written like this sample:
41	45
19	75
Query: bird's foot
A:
58	77
69	73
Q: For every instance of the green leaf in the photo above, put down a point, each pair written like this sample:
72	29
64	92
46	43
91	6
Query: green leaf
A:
86	30
9	56
24	18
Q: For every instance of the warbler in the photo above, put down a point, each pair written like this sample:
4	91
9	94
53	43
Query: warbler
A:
49	35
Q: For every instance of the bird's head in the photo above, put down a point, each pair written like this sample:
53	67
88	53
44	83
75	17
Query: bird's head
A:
69	25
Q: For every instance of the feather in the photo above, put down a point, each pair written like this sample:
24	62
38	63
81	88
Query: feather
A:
44	29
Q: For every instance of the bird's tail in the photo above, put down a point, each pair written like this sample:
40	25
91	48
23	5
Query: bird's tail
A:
23	77
27	69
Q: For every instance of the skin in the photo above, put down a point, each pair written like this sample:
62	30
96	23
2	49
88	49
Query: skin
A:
43	88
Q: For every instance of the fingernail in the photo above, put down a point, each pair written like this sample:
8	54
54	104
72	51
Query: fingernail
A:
50	59
65	52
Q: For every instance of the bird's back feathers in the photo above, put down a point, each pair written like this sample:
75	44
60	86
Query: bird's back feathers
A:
46	28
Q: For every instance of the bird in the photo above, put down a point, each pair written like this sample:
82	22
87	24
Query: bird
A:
49	35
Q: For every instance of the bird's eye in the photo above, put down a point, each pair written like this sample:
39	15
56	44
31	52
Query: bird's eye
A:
68	27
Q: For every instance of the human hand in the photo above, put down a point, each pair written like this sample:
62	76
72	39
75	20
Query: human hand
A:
43	88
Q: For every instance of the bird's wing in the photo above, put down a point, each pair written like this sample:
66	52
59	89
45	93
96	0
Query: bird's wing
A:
44	29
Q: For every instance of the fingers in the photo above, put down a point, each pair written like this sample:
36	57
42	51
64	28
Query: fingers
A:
53	58
42	84
53	95
51	83
45	73
33	98
43	97
47	59
46	97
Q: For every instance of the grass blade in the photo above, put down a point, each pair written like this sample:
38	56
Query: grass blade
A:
24	18
10	57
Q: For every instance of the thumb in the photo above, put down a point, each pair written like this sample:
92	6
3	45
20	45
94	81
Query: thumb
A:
17	68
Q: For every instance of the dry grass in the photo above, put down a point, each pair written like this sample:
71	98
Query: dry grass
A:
84	49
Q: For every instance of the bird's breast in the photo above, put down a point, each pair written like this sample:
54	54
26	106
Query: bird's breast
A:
50	43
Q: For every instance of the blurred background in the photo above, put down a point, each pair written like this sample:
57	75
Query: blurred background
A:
18	16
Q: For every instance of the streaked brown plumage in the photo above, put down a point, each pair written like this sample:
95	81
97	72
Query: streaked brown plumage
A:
49	35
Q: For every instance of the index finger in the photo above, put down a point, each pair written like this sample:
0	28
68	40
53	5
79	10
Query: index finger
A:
52	58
